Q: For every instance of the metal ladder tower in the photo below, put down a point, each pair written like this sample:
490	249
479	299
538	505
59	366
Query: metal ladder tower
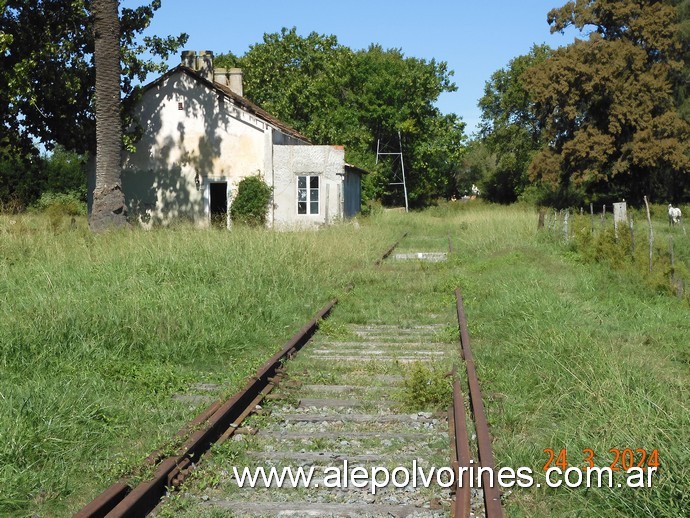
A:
397	180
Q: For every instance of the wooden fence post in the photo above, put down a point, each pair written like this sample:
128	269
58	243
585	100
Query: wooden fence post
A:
632	237
651	234
672	275
565	224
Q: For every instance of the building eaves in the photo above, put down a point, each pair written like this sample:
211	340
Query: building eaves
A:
355	169
238	100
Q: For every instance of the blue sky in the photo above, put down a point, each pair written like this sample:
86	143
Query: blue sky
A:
474	38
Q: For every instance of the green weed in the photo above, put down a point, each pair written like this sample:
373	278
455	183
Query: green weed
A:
427	387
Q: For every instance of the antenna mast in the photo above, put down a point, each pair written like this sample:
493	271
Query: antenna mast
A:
397	180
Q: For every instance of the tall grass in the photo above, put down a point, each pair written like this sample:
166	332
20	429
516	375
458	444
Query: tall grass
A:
575	353
97	332
572	352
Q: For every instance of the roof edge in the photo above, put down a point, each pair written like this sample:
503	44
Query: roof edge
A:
243	102
356	169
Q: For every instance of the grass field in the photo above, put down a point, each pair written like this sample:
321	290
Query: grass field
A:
574	349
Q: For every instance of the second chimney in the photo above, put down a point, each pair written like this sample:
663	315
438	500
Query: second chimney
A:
204	64
232	78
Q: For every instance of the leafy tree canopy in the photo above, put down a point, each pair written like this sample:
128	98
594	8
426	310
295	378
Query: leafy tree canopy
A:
509	128
46	69
24	178
335	95
605	104
681	78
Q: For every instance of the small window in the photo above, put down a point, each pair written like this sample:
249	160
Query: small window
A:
180	105
307	195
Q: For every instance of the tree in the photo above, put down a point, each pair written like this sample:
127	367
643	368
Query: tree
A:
478	165
47	77
18	180
681	78
5	39
108	199
609	119
335	95
509	128
64	172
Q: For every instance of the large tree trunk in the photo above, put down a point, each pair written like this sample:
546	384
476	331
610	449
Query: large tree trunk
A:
108	208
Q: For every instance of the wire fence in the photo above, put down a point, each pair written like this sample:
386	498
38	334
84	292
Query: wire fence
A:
655	249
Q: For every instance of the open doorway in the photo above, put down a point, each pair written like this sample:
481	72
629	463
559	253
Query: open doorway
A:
218	204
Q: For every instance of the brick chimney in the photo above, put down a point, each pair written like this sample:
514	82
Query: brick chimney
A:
189	59
202	62
232	78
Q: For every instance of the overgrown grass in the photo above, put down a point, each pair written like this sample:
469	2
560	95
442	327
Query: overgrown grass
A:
571	352
97	332
594	239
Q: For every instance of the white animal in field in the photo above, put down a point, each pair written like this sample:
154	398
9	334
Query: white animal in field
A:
674	215
475	190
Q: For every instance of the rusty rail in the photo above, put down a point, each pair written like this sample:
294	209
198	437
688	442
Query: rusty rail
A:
461	456
121	500
390	250
492	495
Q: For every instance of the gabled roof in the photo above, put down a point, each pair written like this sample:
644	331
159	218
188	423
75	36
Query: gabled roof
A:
238	100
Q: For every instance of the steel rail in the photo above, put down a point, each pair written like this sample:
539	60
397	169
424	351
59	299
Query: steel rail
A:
461	457
121	500
492	493
390	250
217	422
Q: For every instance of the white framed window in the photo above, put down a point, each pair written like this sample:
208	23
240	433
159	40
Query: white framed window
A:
308	194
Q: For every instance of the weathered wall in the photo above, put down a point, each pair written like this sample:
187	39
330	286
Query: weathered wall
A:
352	194
289	162
194	137
209	139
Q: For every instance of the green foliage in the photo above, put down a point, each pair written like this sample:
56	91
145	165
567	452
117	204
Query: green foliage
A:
250	205
594	241
64	172
510	129
610	125
18	180
427	387
70	203
335	95
47	77
60	176
478	167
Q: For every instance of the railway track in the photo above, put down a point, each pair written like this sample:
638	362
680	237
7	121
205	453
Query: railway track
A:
462	457
335	408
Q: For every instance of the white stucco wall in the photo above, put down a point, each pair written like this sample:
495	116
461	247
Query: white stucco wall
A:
209	140
212	139
289	162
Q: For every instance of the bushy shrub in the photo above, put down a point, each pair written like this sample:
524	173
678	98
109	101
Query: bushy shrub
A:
427	387
250	205
63	203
